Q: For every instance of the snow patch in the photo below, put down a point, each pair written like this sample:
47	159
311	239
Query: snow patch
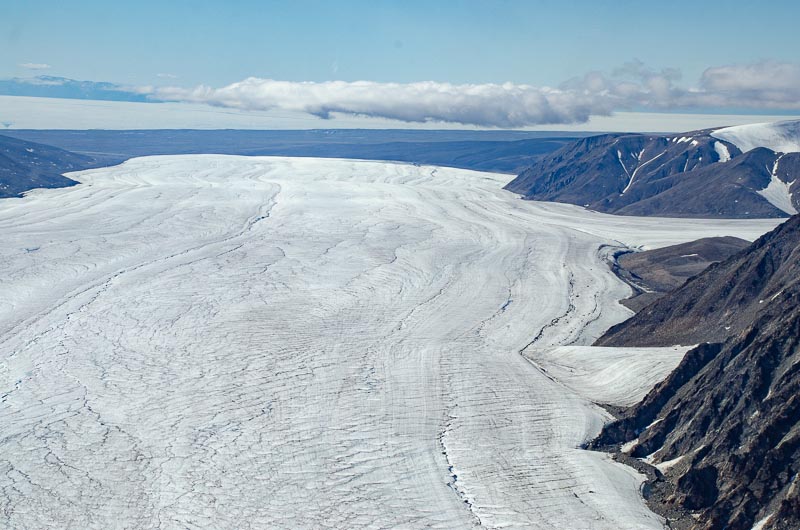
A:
628	447
619	157
651	458
778	192
722	151
638	167
762	523
664	466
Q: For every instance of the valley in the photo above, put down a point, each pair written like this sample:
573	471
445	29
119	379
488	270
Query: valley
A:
225	341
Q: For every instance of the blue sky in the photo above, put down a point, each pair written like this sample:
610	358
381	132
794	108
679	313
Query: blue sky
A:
545	42
540	43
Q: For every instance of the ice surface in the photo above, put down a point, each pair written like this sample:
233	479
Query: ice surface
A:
233	342
616	376
781	137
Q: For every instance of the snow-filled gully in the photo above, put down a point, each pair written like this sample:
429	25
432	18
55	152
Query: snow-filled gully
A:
233	342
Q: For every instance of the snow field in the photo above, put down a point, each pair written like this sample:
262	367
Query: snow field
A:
781	136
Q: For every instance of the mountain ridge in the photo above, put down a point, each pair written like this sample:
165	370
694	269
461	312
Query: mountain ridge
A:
693	174
723	430
27	165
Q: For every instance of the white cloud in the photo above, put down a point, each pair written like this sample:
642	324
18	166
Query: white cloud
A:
767	85
167	76
500	105
762	85
35	66
22	112
634	86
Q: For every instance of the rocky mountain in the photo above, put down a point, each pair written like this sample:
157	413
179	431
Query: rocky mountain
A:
28	165
737	172
720	302
723	430
653	273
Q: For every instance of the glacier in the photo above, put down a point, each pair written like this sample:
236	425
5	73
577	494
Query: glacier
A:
781	136
213	341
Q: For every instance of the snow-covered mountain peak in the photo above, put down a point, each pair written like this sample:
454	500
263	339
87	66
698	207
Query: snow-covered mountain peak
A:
781	136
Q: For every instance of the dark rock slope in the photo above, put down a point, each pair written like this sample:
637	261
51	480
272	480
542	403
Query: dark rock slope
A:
726	422
688	175
27	165
720	302
653	273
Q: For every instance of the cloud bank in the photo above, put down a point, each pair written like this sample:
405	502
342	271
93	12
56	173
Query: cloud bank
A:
500	105
767	85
